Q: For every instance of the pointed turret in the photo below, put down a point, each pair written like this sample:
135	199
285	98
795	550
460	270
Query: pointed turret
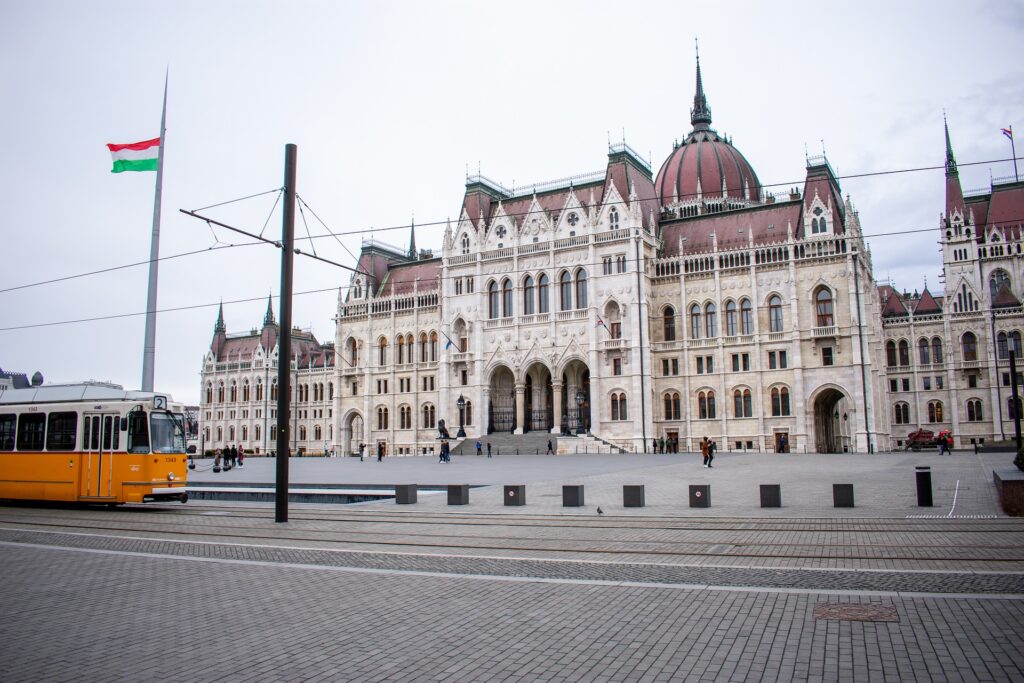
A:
220	333
412	240
268	318
700	115
954	193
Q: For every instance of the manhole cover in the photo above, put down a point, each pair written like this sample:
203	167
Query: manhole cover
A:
848	612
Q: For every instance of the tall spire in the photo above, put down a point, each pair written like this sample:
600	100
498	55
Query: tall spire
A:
700	115
412	239
268	319
219	326
950	160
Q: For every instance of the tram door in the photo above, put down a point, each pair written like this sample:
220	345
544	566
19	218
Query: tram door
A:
102	434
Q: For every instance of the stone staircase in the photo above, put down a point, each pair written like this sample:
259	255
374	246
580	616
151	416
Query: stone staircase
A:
503	443
585	443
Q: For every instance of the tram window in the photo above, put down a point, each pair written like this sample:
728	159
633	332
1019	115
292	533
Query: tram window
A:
116	434
92	434
107	428
138	432
60	433
7	423
31	430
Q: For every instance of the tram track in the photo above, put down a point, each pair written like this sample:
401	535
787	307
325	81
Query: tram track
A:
1004	556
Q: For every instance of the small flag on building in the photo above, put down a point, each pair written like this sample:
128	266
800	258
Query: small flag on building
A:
135	156
1008	132
600	323
449	343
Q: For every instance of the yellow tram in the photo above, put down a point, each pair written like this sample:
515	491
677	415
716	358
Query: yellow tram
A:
91	443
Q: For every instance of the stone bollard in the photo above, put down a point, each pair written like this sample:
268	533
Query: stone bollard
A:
405	494
515	495
458	494
572	496
771	495
924	486
700	495
633	496
842	495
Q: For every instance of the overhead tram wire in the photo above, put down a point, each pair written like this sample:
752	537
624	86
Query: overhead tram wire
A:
363	231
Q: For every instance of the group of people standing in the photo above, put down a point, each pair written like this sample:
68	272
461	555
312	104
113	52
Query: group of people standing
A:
231	455
707	451
663	445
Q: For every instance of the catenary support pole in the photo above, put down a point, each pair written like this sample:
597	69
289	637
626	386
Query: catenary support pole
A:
284	337
1015	399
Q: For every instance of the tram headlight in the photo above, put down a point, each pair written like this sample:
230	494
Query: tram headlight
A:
170	476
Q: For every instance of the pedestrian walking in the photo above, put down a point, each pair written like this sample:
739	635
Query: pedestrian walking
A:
712	447
380	451
704	445
479	448
362	451
488	449
241	459
551	450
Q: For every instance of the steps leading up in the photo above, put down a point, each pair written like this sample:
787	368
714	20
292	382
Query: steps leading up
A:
533	443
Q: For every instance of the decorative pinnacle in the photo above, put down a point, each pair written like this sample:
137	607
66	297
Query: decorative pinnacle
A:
268	319
950	159
700	115
219	326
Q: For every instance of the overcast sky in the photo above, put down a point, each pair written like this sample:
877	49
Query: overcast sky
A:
391	102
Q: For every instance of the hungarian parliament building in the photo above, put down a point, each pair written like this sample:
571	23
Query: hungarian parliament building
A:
626	307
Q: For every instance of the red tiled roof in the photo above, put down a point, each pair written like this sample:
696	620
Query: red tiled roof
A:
927	304
1006	210
893	306
709	159
769	223
1005	298
401	278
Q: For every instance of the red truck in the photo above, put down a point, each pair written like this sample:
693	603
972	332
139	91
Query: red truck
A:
924	438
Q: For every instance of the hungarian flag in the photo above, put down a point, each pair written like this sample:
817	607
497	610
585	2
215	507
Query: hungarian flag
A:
1008	132
135	156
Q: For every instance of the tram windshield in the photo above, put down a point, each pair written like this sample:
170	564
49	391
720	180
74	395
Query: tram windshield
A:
168	433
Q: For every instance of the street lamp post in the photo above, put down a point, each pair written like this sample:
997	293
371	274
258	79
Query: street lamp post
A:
579	411
461	403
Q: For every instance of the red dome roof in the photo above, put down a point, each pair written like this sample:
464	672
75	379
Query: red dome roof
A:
705	164
709	160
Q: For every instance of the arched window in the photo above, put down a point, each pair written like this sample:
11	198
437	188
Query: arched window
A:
1001	346
424	349
330	391
234	392
730	318
969	346
492	300
382	352
924	351
613	219
506	298
974	410
400	350
998	279
1015	344
780	402
317	433
256	433
669	323
581	288
706	405
209	393
937	350
220	393
671	401
615	406
220	433
302	433
528	307
823	299
542	294
273	432
901	413
465	244
469	413
711	320
904	352
890	354
433	346
623	413
565	288
273	390
353	352
259	391
742	403
382	418
404	417
775	313
231	433
935	411
746	317
694	321
429	421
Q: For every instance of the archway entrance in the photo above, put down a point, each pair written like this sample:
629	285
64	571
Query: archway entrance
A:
576	398
539	414
501	409
829	412
351	433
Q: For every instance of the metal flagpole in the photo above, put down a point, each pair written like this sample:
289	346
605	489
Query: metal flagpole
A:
149	350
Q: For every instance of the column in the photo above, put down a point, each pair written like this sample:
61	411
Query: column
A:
520	407
556	394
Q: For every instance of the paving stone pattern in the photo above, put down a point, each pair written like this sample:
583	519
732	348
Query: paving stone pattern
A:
120	617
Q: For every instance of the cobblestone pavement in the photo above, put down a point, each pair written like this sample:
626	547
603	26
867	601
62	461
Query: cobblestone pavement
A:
381	592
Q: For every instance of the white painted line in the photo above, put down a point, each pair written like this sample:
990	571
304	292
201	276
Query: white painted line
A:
956	492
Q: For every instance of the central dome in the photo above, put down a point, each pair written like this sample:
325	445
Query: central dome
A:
706	165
